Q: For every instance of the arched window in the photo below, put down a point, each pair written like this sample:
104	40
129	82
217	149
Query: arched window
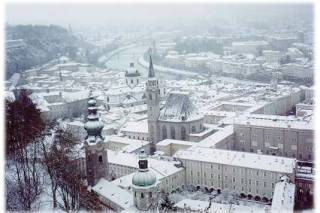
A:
142	195
131	81
183	133
108	99
164	132
100	159
173	132
193	129
151	132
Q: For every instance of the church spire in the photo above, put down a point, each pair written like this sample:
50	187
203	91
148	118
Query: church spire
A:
93	126
151	70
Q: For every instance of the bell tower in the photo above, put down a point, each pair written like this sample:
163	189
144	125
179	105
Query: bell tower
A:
153	104
144	186
96	153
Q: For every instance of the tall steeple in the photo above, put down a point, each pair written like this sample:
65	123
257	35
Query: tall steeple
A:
96	153
151	70
153	104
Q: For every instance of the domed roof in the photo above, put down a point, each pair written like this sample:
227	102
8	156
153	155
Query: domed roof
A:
92	102
93	126
132	71
144	177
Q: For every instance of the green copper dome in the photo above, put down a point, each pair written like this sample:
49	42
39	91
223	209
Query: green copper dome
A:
144	177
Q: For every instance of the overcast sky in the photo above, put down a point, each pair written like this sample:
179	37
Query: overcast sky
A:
111	14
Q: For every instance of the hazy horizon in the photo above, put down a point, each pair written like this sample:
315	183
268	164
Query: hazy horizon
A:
87	14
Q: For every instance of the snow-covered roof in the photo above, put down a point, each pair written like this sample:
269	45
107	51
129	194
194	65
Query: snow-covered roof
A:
215	138
178	107
203	206
136	126
240	159
276	122
167	142
112	192
164	167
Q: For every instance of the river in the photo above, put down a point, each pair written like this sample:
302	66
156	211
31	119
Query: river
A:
123	59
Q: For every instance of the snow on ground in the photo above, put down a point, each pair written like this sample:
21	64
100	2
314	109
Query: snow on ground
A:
225	198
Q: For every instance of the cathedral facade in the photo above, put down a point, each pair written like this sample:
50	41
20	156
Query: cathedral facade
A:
177	119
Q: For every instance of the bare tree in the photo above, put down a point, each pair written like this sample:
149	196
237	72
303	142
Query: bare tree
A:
24	128
63	172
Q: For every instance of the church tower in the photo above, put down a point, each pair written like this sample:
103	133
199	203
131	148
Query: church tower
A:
96	153
132	76
144	186
153	104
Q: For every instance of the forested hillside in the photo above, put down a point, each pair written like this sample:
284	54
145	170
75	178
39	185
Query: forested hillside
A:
40	45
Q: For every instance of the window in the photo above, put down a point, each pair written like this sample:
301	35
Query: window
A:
225	177
234	179
272	184
135	194
257	183
150	194
183	133
265	184
249	181
100	159
142	195
265	174
257	173
173	132
150	96
193	129
242	180
164	132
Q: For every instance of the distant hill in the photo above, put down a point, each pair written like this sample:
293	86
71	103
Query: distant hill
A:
31	45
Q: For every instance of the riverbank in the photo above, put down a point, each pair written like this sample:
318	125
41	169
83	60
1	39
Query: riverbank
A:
159	68
105	58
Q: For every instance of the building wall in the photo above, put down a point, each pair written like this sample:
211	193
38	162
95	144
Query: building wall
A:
196	125
227	177
275	141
